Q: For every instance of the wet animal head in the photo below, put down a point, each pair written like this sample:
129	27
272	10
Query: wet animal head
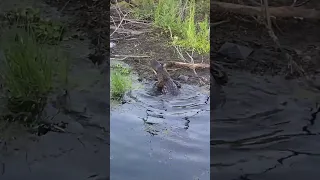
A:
156	65
218	73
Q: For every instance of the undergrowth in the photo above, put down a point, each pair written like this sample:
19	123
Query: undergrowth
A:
30	67
186	21
121	81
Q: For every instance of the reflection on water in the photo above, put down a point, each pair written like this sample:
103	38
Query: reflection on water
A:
161	137
267	129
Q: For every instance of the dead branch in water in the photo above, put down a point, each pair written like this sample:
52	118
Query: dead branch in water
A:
292	65
265	13
189	64
284	11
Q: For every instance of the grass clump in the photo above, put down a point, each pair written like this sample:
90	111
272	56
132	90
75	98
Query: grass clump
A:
27	74
121	81
182	19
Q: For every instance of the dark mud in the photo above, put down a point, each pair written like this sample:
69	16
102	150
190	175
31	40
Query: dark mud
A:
266	58
267	126
81	150
156	46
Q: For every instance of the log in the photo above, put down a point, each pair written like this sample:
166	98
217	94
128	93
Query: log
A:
283	12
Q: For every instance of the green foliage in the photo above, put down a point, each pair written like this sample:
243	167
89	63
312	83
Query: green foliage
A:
28	74
179	19
121	81
121	69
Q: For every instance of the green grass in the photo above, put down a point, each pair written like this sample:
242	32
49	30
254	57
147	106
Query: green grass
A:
181	19
28	74
121	81
31	68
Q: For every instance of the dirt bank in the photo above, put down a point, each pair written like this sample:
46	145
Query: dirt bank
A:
265	127
298	38
137	42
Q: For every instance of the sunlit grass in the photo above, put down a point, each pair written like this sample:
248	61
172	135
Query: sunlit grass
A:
121	81
179	19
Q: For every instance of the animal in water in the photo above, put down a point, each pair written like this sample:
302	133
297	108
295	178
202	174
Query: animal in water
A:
218	74
165	83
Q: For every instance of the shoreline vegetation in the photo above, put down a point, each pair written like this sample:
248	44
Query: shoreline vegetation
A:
29	45
184	23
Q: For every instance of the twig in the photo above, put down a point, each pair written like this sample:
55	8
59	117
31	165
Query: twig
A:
255	3
119	59
189	65
118	26
180	54
113	21
293	3
125	37
194	70
65	5
145	22
132	56
129	31
218	23
291	62
302	3
121	16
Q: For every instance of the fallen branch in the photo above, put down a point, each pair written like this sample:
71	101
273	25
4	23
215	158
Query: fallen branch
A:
132	56
122	16
218	23
192	65
128	31
283	12
188	65
291	63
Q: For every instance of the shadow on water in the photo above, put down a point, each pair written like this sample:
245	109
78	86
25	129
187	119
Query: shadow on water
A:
161	137
266	129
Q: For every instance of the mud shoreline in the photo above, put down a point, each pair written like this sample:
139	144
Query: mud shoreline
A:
266	59
266	125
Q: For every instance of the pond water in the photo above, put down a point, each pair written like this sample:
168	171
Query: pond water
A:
161	137
266	129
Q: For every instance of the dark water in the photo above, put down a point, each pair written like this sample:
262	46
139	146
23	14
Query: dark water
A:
81	150
161	137
266	129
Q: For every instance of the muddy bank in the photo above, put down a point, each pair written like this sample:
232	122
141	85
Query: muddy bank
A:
155	46
266	125
81	149
266	59
138	41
